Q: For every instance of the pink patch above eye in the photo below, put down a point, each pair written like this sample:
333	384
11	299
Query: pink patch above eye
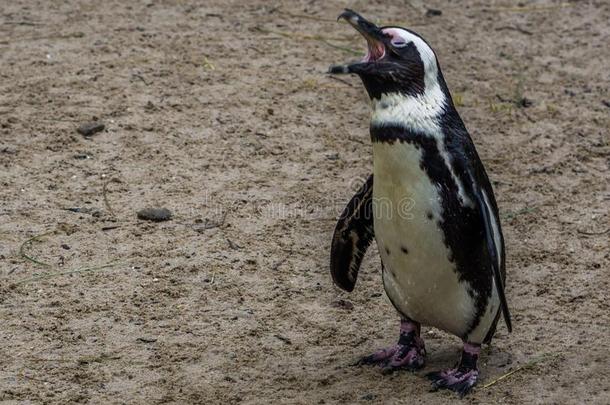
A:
395	34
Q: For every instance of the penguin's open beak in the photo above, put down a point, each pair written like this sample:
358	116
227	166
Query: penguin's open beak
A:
374	36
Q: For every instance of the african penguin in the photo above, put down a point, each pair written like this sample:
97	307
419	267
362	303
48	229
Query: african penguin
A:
429	206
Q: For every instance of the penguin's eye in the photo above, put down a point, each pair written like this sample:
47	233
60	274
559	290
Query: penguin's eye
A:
399	43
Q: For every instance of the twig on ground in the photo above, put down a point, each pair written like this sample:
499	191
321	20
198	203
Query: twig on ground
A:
137	76
592	233
63	273
341	48
233	245
516	28
283	339
341	80
528	365
28	242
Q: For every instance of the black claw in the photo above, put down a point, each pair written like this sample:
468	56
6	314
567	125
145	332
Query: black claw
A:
439	382
462	388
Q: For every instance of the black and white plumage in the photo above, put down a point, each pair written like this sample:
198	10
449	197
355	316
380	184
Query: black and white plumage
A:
433	211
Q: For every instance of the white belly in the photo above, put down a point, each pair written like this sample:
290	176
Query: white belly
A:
421	282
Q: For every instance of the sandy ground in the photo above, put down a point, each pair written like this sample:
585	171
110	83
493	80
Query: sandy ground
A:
222	112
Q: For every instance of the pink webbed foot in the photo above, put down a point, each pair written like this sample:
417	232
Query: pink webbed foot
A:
409	353
462	378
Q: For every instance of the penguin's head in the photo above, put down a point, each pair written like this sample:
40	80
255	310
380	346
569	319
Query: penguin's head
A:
397	60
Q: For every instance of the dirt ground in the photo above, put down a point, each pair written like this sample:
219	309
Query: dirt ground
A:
222	112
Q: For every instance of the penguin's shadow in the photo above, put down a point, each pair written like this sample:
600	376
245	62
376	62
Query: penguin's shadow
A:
441	357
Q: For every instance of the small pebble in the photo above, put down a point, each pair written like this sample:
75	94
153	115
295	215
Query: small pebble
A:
432	12
8	150
91	128
83	210
155	214
343	304
524	102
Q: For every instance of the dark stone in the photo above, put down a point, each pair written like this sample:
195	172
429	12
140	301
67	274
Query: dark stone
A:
524	102
91	128
432	12
8	150
82	210
155	214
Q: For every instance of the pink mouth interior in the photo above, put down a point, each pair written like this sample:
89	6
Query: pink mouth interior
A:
374	52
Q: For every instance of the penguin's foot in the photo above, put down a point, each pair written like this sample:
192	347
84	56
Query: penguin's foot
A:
462	378
460	381
408	354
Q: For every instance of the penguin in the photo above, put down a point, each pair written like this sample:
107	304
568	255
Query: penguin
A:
429	206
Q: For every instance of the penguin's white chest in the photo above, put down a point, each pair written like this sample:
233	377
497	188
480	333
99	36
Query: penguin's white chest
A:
419	275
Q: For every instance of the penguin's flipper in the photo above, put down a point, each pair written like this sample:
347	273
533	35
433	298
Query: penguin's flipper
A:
353	235
494	245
